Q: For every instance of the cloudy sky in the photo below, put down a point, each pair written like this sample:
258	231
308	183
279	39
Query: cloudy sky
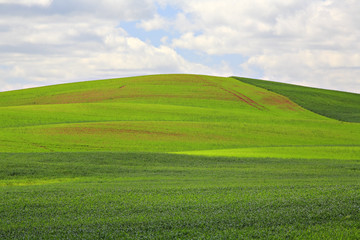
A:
307	42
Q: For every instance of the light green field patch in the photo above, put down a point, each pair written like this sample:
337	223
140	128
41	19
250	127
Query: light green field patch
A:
175	136
36	182
299	152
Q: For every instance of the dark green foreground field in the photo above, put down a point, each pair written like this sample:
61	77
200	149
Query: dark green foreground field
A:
135	195
179	157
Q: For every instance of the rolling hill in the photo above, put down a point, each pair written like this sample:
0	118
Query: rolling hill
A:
179	157
342	106
162	113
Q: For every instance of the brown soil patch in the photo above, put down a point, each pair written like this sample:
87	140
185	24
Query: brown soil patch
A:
171	80
244	98
82	97
281	102
113	131
234	93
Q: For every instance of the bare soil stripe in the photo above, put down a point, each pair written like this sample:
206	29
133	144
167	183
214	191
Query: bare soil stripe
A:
245	99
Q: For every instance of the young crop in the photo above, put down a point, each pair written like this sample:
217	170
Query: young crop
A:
91	160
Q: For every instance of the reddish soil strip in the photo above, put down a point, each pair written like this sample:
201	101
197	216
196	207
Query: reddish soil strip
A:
238	95
282	102
249	100
245	99
82	97
40	146
95	130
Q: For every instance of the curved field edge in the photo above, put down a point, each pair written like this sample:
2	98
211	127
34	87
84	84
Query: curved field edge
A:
142	195
343	106
287	152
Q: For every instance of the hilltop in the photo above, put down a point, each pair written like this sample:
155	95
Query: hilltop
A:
163	113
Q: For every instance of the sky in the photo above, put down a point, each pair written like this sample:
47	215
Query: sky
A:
306	42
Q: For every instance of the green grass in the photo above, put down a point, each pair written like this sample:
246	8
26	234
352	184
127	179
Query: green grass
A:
299	152
342	106
91	160
174	136
135	195
163	113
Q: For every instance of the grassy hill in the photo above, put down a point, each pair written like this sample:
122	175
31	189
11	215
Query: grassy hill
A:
179	156
164	113
343	106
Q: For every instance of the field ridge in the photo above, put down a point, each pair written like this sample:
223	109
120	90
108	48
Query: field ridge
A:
342	106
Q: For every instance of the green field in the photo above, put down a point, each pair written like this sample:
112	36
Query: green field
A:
124	195
179	156
300	152
343	106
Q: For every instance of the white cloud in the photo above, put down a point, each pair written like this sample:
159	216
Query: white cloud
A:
314	42
43	3
47	49
80	48
324	69
311	42
157	22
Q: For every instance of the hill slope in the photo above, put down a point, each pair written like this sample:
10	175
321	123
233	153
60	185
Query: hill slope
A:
342	106
161	113
91	160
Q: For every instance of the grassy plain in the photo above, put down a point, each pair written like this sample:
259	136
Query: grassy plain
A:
91	160
142	196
